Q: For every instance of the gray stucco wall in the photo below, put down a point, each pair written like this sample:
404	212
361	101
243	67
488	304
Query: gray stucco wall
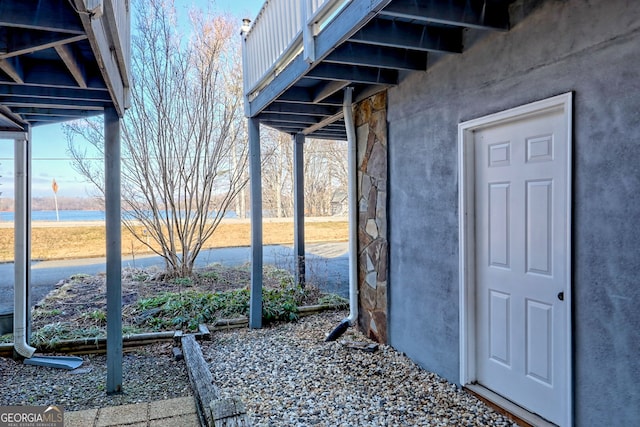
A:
593	49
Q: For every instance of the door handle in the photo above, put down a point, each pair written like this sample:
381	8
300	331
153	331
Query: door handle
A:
561	296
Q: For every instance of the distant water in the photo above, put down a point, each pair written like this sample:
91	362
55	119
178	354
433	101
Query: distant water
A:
64	215
70	215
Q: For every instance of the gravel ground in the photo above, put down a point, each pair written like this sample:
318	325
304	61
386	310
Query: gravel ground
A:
149	374
288	376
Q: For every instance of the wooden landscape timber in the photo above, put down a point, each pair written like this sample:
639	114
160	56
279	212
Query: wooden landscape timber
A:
213	410
98	345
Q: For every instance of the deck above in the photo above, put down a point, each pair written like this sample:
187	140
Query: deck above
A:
299	55
62	59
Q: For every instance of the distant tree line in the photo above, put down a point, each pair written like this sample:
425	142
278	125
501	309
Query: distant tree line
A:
64	204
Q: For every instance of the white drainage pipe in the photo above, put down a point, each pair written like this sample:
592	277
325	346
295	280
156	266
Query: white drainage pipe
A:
21	261
353	218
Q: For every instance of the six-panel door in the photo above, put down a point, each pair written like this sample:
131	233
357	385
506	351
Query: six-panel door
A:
521	261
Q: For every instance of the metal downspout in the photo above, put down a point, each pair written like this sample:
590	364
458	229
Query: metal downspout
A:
353	206
22	254
352	320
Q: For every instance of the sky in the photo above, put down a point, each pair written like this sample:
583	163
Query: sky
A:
50	159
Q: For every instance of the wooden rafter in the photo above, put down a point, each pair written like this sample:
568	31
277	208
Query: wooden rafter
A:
329	88
75	68
491	15
378	56
11	71
354	74
48	41
403	35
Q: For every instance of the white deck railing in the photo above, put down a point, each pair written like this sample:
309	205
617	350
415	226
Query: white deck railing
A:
282	30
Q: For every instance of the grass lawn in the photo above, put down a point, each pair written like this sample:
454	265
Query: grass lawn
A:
87	241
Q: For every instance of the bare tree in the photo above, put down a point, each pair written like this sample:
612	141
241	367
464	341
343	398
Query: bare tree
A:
277	164
184	138
325	172
336	154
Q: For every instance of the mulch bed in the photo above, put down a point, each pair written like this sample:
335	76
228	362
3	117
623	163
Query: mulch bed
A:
79	302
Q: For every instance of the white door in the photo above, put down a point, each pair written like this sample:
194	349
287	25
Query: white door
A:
521	245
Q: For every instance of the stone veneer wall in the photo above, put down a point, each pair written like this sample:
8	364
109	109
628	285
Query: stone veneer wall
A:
371	130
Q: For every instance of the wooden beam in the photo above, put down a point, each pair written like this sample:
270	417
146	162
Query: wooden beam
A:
66	112
44	119
378	56
492	14
328	89
327	134
49	91
323	123
57	119
287	107
55	73
35	102
47	41
303	96
75	68
290	128
335	126
11	71
354	74
287	118
297	94
334	136
396	34
10	123
333	100
369	91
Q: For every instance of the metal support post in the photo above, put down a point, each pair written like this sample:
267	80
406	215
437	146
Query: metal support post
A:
298	207
114	250
255	175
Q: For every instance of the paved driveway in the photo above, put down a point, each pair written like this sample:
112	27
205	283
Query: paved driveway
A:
327	265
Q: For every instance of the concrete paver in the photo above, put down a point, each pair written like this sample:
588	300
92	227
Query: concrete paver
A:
172	408
125	414
181	420
172	412
80	418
